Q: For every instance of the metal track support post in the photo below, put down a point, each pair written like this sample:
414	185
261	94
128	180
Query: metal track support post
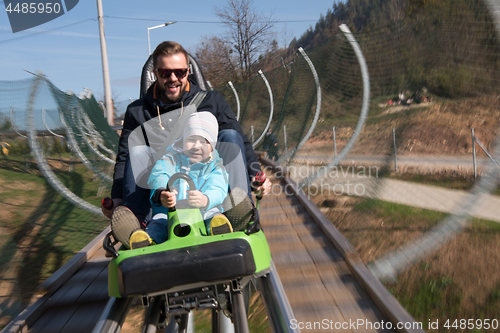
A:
334	144
190	325
284	137
183	323
153	315
113	316
474	152
395	150
240	319
225	324
278	308
215	321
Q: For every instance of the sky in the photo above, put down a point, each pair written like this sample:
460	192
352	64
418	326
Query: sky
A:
67	49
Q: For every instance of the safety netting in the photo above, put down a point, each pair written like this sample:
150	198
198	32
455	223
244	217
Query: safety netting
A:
389	124
412	183
56	164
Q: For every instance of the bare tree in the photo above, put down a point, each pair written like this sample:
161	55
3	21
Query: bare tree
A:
285	37
396	10
216	60
247	30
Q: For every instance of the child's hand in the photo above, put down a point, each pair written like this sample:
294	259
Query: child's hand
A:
197	199
168	199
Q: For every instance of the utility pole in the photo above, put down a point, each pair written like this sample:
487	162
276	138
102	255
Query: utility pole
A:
105	67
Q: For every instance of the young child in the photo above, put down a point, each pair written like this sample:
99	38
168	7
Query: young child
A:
195	155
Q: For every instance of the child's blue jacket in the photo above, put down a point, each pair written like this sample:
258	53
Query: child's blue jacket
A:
210	178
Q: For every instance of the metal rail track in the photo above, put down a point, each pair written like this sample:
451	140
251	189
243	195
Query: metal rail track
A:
325	282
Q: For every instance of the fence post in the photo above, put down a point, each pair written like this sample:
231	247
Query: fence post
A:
271	110
70	163
474	152
334	144
395	149
237	99
210	87
251	133
284	134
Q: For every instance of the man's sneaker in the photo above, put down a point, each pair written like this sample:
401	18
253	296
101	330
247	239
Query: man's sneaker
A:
220	225
239	209
140	238
123	224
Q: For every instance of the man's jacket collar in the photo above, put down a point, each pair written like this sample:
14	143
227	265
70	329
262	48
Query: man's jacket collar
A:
152	99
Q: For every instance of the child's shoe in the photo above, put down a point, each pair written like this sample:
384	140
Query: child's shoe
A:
220	225
140	238
123	224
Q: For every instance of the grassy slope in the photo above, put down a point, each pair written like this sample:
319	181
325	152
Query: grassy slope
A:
442	127
39	229
460	280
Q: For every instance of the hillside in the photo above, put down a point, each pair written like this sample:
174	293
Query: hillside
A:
439	128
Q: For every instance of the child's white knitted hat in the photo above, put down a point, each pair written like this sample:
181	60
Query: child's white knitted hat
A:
203	124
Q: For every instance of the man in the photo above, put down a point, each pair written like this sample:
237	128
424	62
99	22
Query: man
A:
271	144
172	91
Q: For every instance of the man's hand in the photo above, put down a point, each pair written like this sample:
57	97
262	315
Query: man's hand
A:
197	199
168	199
109	212
263	189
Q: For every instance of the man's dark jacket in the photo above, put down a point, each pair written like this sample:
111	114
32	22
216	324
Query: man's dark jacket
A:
147	107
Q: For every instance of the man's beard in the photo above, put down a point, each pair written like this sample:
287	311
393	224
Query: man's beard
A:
163	93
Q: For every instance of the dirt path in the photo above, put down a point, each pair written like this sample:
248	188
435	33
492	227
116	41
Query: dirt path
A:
399	108
363	182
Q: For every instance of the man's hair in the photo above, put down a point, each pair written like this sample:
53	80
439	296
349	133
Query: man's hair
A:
169	48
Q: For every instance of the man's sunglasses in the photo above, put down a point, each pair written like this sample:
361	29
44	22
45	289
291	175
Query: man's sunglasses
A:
166	73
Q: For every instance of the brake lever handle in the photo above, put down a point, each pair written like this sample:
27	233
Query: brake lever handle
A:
260	178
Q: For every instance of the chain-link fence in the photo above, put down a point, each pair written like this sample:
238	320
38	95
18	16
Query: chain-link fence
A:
57	164
432	74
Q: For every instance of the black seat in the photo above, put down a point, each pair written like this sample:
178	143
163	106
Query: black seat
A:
158	271
148	77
